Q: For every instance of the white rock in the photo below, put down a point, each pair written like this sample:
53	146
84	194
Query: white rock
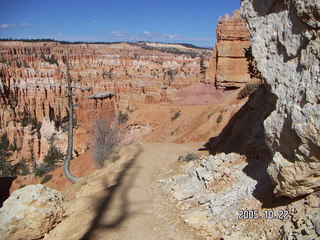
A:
290	62
31	212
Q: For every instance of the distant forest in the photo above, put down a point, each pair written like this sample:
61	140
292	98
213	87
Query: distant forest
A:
188	45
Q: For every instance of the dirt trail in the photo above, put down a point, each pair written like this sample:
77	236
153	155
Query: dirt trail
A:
135	208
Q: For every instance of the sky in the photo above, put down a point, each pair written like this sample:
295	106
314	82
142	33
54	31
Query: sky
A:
173	21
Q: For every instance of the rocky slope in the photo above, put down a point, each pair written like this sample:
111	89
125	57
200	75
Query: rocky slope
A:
229	66
276	132
219	197
286	45
33	87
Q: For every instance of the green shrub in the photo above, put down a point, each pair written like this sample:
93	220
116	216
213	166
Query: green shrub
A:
5	166
122	117
252	64
51	60
21	168
25	65
203	68
3	60
25	118
41	170
54	154
46	178
50	161
171	73
12	97
247	90
176	115
18	64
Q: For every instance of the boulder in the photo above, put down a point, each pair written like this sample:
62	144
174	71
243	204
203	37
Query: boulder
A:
31	212
102	95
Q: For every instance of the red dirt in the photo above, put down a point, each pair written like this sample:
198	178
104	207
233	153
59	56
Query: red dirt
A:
80	166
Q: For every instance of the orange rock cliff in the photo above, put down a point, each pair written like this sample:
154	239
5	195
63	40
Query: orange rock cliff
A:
228	66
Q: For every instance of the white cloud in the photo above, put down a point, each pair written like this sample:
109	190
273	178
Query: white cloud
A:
174	36
7	25
24	24
147	33
156	36
142	36
119	34
60	35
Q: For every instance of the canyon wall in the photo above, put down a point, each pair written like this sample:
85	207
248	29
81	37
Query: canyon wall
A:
286	45
33	87
229	65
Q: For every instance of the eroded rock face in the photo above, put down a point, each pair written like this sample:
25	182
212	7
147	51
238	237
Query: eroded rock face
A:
31	212
229	66
286	45
33	87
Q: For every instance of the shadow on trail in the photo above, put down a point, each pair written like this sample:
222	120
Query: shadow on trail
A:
121	187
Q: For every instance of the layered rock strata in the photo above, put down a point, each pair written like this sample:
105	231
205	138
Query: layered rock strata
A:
229	66
286	45
33	86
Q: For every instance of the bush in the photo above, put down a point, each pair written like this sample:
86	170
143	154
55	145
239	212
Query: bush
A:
50	160
5	166
25	118
247	90
18	64
171	73
122	117
252	64
41	170
176	115
51	60
54	154
46	178
12	97
21	168
219	118
189	157
106	142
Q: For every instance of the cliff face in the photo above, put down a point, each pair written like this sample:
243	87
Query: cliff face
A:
286	45
229	66
33	86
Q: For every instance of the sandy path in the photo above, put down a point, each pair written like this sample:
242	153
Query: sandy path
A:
134	208
150	213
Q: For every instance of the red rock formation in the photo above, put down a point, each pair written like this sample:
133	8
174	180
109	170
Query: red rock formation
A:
228	65
33	86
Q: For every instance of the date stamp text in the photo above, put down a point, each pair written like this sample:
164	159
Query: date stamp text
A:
265	214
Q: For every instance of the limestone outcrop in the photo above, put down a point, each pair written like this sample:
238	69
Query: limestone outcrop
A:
31	212
220	196
286	45
229	66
